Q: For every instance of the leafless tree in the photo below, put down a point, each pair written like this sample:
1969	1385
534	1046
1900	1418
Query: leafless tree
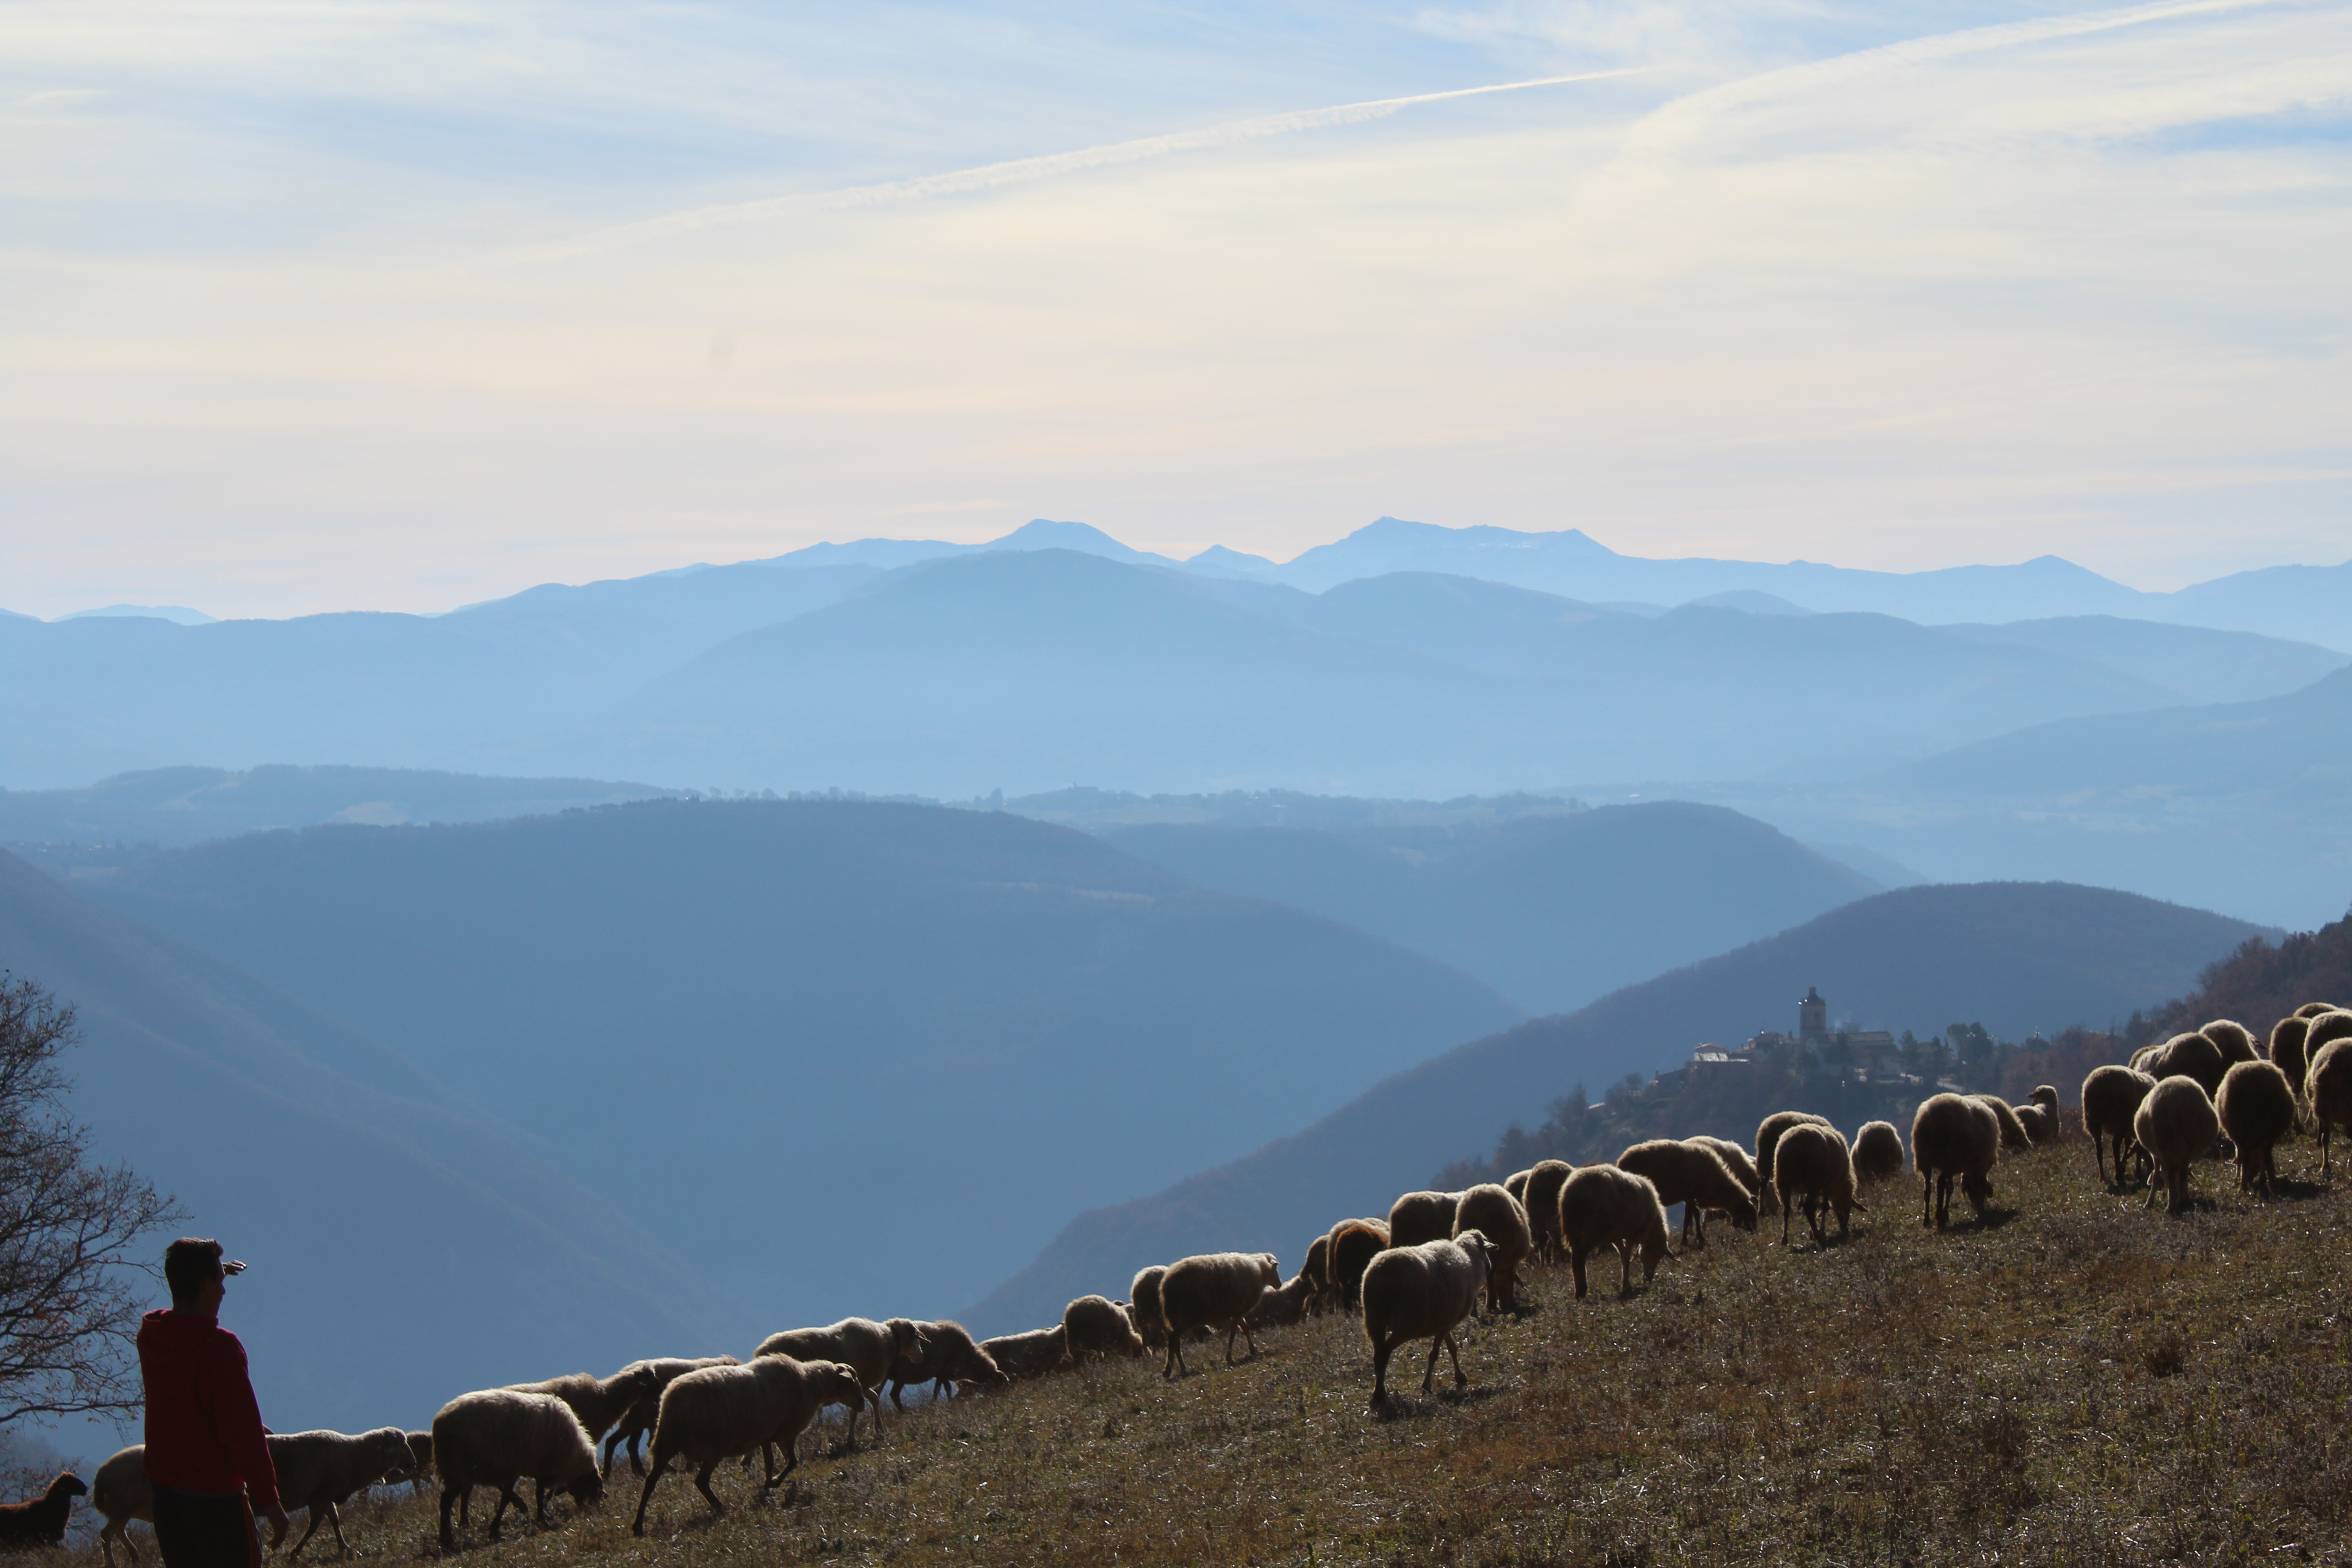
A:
69	1290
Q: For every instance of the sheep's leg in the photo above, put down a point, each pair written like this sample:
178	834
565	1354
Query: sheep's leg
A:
448	1501
1429	1375
661	1463
1575	1263
898	1395
1382	1347
1625	1257
1230	1335
1456	1351
1786	1210
702	1485
506	1494
1927	1200
335	1523
792	1461
1175	1354
107	1538
1247	1335
313	1529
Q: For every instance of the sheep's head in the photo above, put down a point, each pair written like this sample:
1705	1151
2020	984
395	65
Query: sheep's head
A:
389	1454
1269	1268
586	1488
833	1383
1743	1213
907	1338
70	1485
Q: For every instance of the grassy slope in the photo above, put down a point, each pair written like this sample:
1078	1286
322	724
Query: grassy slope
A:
2087	1381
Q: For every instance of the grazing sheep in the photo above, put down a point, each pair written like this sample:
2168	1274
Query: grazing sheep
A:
1417	1217
1354	1244
951	1356
1429	1289
2314	1009
1690	1174
41	1521
873	1350
2040	1128
420	1461
1279	1306
1541	1200
1316	1271
1813	1163
2257	1109
1144	1295
2111	1098
1495	1215
719	1412
2175	1125
1029	1355
1094	1325
122	1492
2012	1130
498	1436
2232	1039
638	1418
1214	1290
2186	1056
1953	1137
1515	1183
2322	1030
1877	1152
2290	1047
1741	1164
1601	1206
2328	1090
1768	1134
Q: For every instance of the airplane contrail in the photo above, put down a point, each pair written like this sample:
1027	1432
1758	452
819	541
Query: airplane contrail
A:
1017	171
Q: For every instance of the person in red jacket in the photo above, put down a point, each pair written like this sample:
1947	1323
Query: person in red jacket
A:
207	1458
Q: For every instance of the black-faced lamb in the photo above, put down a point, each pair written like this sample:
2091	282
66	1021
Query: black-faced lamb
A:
1490	1209
1423	1216
639	1419
2328	1090
950	1359
1954	1137
1095	1325
1214	1290
1877	1152
2012	1132
1026	1356
1354	1244
1541	1200
41	1520
1813	1165
2111	1099
2290	1038
1601	1206
2175	1125
873	1350
2256	1109
1690	1173
320	1470
497	1437
1768	1135
720	1412
1424	1291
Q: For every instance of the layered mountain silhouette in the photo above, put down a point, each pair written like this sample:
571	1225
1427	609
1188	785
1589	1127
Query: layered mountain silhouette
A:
2015	956
843	1058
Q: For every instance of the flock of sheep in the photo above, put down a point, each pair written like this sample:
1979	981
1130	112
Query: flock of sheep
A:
1417	1274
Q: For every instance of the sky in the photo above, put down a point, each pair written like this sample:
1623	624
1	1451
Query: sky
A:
379	304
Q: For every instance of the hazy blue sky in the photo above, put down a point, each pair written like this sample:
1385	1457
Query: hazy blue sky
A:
373	304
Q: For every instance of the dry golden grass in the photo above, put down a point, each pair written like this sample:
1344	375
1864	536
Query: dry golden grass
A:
2085	1381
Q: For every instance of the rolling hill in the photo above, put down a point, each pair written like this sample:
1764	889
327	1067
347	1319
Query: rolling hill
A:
2015	956
843	1058
405	1247
1553	911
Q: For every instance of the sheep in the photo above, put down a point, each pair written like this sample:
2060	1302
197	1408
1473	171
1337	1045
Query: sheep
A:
871	1350
638	1418
1541	1200
496	1437
1813	1162
320	1470
1877	1152
2175	1124
1741	1164
1410	1291
1214	1290
420	1461
2186	1056
1316	1271
2111	1098
1690	1174
2012	1132
2044	1123
1145	1295
2328	1090
1094	1325
2039	1127
1601	1206
1354	1244
41	1521
1515	1183
1495	1215
1029	1355
1417	1217
2045	1095
2290	1047
1768	1133
2232	1039
1279	1306
122	1492
2323	1029
2314	1009
951	1357
2257	1109
598	1401
1953	1136
719	1412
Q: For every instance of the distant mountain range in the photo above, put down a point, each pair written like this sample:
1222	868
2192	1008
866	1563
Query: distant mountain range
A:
2015	956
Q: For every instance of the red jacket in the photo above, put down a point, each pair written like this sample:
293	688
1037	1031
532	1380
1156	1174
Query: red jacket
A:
204	1429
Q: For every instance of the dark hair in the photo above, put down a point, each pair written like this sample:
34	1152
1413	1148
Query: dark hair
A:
190	1264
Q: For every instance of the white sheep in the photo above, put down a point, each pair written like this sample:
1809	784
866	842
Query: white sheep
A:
638	1418
496	1437
1029	1355
720	1412
1601	1206
1097	1325
951	1357
1214	1290
1422	1216
1541	1200
1691	1173
1953	1137
1144	1296
2111	1099
2175	1124
1768	1135
2256	1109
1877	1152
2328	1090
1813	1163
1491	1210
871	1350
1411	1292
320	1470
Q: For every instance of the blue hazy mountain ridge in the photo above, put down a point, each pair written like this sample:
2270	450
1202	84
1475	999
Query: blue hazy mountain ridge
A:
1028	670
1552	912
188	806
2015	956
405	1247
845	1058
